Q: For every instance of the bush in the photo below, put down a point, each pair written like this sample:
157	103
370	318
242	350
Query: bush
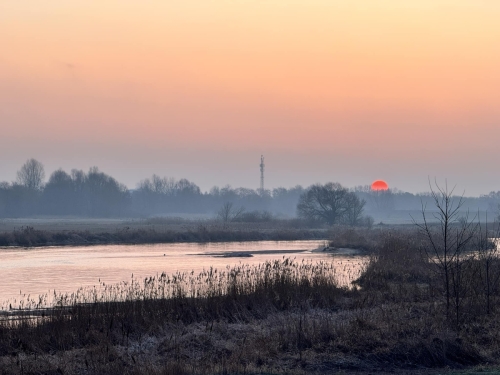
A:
255	217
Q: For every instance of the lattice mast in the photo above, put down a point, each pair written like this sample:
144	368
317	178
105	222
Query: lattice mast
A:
262	174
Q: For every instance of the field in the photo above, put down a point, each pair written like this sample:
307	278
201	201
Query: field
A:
185	223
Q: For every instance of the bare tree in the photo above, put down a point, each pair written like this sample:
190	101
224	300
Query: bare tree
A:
229	213
31	175
447	240
331	203
354	213
488	253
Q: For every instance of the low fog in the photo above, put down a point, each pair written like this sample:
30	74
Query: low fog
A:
94	193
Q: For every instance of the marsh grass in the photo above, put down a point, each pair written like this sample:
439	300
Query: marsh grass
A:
277	279
118	312
368	240
397	260
280	317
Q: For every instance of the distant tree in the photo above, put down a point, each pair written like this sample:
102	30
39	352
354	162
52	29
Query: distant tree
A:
104	195
187	188
285	200
158	185
31	175
229	213
4	195
377	200
59	196
165	194
353	214
330	203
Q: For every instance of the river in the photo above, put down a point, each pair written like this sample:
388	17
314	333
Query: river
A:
38	271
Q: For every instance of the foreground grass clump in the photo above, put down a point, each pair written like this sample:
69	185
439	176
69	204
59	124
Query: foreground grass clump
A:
280	317
397	260
368	240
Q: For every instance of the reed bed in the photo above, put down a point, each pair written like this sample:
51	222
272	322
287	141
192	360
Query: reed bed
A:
272	276
237	294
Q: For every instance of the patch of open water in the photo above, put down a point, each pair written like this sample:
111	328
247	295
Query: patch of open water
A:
65	269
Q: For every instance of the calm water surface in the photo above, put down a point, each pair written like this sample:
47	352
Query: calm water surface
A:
65	269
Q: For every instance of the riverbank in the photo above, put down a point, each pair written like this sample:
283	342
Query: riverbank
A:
30	237
36	232
80	232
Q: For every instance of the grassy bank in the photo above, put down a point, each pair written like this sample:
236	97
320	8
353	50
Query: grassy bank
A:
80	231
277	318
31	237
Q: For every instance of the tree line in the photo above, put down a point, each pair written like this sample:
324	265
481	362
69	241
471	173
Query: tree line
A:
96	194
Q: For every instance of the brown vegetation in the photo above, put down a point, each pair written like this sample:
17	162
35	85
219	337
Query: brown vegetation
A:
156	231
279	317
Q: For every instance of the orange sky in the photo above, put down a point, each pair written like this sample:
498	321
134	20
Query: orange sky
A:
346	91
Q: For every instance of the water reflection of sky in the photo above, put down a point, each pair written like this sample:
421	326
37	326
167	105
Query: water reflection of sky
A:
65	269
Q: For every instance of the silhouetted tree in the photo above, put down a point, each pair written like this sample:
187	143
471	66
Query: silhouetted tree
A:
285	200
31	175
186	187
104	195
353	214
59	196
330	203
446	242
4	199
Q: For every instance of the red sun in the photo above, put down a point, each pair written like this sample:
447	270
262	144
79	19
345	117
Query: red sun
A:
380	185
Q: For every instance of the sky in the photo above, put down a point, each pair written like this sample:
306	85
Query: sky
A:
348	91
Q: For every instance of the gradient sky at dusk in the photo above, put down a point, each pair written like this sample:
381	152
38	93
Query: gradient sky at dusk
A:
348	91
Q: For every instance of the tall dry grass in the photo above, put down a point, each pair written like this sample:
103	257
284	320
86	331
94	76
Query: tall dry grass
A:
117	312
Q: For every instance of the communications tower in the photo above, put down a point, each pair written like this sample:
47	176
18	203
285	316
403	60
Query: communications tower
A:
262	174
